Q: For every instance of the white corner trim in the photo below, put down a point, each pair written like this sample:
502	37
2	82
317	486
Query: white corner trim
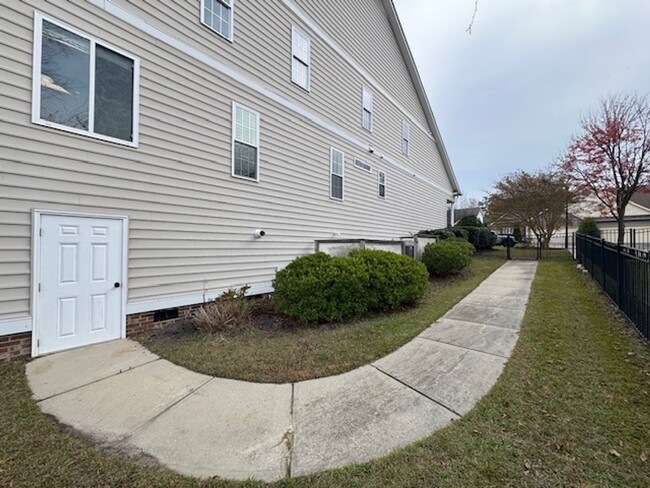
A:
139	23
15	326
183	300
325	37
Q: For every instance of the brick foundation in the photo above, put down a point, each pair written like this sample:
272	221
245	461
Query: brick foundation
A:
144	322
19	346
15	346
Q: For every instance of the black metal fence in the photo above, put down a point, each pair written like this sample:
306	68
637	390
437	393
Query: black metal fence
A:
623	273
636	238
560	247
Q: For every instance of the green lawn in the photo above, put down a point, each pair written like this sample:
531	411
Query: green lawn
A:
571	409
311	352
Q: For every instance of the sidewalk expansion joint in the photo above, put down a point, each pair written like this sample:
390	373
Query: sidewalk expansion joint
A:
463	347
481	324
166	409
417	391
290	435
97	380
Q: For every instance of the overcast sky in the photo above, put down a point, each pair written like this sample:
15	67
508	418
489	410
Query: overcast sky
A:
509	95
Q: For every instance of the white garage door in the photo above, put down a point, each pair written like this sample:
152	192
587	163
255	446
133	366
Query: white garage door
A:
80	297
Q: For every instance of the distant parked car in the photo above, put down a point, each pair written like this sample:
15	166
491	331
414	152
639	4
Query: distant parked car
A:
505	240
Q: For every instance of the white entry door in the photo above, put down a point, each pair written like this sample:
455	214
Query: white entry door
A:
80	290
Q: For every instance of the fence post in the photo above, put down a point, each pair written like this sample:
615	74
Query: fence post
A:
619	278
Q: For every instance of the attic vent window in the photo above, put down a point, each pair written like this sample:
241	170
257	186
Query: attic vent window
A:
366	117
300	59
362	165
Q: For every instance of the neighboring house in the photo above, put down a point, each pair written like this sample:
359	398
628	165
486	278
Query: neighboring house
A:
637	216
155	154
459	213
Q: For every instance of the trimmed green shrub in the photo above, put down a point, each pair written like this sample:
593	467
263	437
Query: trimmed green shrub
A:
589	227
440	234
321	288
480	237
460	233
469	221
394	280
517	234
447	258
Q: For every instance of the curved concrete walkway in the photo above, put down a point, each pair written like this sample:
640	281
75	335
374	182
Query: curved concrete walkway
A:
127	397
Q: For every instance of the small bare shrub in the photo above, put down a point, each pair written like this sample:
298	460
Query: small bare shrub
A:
229	311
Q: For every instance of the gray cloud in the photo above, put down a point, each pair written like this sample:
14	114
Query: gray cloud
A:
509	95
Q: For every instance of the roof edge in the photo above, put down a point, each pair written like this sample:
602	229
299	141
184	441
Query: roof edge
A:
396	25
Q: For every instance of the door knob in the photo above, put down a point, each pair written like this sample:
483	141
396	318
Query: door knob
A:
116	285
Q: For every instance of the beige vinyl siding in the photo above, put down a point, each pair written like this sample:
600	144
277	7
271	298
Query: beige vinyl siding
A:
362	28
191	223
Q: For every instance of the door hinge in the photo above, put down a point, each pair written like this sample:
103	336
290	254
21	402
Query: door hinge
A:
38	343
39	287
40	232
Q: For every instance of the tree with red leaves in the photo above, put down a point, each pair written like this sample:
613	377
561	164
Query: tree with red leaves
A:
610	158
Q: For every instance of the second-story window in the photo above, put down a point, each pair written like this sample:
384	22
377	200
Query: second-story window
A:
337	172
246	143
366	118
406	138
218	16
300	59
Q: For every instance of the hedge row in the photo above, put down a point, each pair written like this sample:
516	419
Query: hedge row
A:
479	237
322	288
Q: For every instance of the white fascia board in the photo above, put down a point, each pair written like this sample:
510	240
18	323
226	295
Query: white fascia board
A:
419	87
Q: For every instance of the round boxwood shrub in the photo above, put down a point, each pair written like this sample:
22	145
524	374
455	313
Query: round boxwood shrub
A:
448	257
318	287
321	288
394	280
589	227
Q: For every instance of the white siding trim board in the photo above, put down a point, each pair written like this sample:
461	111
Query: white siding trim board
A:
15	326
235	75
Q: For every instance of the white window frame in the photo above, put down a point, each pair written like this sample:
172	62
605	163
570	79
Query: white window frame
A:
367	106
295	31
379	184
358	164
342	175
36	84
231	35
406	138
236	105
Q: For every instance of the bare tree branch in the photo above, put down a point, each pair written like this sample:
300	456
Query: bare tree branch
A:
471	22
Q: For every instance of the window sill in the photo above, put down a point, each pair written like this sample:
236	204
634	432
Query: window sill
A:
99	137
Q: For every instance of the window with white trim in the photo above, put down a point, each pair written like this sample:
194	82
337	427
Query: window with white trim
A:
362	165
381	184
406	138
366	117
218	16
300	58
82	85
245	143
337	174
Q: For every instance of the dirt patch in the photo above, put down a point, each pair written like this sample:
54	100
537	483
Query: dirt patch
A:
265	318
118	448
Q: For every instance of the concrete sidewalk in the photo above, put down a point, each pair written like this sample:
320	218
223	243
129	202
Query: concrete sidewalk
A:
124	396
